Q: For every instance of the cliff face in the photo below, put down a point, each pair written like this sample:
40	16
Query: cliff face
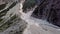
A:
48	10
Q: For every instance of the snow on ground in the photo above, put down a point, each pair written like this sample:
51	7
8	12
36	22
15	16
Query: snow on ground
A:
37	26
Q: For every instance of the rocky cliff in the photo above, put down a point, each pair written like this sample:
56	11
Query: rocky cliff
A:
48	10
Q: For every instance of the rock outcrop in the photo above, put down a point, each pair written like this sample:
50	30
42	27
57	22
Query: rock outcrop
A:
49	10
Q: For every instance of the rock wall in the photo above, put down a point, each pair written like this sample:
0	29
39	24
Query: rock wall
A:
48	10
